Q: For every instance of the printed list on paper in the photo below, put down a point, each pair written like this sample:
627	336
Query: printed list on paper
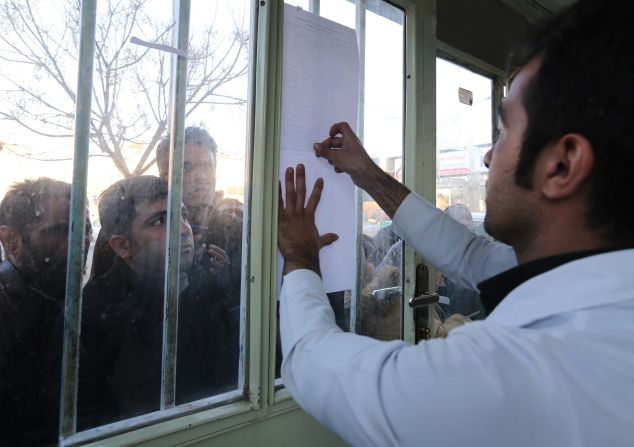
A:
320	86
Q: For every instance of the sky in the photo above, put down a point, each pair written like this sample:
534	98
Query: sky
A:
227	124
458	125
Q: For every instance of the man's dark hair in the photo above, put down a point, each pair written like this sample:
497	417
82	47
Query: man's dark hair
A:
22	204
584	86
118	204
193	135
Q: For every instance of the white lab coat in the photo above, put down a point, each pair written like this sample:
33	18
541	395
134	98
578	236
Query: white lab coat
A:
448	245
553	365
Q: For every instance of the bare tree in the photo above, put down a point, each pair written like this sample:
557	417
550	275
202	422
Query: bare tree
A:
131	83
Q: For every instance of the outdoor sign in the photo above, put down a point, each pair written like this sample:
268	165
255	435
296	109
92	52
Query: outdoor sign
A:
453	163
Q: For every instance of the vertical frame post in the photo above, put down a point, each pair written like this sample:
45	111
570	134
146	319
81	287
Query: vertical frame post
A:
178	95
262	287
360	27
419	164
77	233
313	6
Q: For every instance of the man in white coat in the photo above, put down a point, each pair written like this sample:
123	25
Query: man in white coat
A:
553	364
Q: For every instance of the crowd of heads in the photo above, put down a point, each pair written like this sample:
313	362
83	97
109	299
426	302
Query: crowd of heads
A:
381	277
35	216
126	287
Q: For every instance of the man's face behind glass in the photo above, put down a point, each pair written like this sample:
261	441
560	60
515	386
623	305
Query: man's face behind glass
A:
148	235
199	176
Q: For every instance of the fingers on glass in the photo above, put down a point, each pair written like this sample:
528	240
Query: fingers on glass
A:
295	181
315	196
300	186
290	190
280	200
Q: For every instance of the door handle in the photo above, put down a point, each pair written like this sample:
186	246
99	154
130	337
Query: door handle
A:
422	303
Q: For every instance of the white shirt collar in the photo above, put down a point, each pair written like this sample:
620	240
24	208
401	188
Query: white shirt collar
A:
597	280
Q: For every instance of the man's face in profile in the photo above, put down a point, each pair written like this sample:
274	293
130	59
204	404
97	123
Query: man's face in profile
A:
147	239
511	210
199	175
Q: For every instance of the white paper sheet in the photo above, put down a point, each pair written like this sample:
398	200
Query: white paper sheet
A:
320	86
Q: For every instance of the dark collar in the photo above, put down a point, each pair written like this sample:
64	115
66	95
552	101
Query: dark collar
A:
141	285
495	289
11	280
14	283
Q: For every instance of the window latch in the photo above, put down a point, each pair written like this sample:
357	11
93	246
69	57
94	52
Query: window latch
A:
422	304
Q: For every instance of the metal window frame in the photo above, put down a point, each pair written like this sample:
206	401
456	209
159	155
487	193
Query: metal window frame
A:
413	13
77	232
419	161
210	417
360	29
178	99
478	66
210	408
281	394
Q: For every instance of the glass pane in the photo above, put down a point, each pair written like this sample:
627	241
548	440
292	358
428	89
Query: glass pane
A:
340	11
377	312
379	308
38	70
304	4
463	136
122	319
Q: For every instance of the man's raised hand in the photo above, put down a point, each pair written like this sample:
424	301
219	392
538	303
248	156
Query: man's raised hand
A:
344	151
298	238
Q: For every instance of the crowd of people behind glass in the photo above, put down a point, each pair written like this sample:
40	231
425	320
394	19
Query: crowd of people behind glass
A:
381	295
122	305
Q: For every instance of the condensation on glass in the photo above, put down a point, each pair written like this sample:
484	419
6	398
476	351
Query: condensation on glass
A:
120	350
463	135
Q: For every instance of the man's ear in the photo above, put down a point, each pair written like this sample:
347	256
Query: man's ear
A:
11	240
566	166
121	246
